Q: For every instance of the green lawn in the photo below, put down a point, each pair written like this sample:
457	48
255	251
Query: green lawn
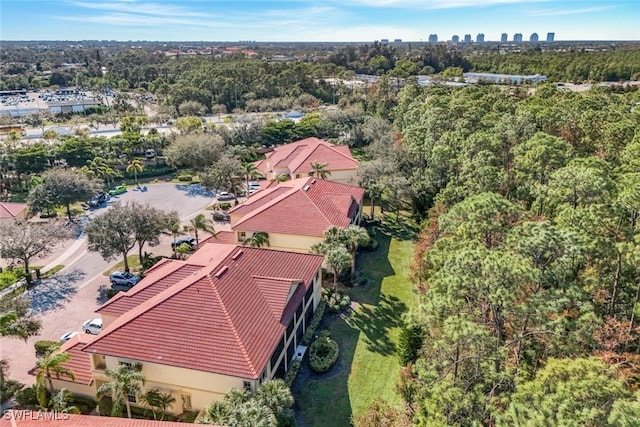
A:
134	264
368	366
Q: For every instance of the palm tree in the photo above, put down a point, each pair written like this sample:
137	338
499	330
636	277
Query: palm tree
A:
257	240
135	166
355	236
250	172
202	223
319	170
124	383
47	367
157	400
280	178
275	395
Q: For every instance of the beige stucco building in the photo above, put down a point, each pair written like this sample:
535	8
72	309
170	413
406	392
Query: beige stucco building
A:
295	160
295	214
228	317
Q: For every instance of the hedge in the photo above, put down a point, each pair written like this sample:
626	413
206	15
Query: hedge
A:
315	321
152	171
323	353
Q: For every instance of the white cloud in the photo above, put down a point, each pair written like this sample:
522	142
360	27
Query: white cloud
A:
556	12
440	4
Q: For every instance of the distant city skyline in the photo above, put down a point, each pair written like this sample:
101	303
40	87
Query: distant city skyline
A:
306	20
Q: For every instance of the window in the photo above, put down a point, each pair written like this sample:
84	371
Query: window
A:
242	235
297	175
308	295
99	361
246	385
129	365
132	366
131	397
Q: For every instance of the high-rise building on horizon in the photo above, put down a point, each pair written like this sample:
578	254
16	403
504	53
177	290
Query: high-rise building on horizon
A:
550	37
480	38
504	37
534	38
517	38
433	38
467	38
455	38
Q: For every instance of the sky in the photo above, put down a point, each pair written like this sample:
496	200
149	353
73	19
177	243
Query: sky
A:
315	20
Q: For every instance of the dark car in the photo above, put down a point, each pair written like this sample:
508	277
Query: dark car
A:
98	200
184	240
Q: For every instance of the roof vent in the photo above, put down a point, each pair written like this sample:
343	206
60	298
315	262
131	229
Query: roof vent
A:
313	181
236	255
306	188
221	272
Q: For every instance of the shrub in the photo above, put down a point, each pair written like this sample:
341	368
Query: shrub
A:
290	377
336	301
44	347
26	397
86	405
313	325
225	206
185	178
9	388
323	353
104	407
371	245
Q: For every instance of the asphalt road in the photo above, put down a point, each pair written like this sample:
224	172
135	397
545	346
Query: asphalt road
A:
64	301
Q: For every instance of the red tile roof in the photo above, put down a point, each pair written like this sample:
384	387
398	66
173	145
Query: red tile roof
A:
80	362
162	276
226	318
31	418
304	206
298	156
221	237
11	210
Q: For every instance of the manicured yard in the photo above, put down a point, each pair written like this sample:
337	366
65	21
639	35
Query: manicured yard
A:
368	366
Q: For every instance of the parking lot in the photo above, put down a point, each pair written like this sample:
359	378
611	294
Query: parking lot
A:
66	300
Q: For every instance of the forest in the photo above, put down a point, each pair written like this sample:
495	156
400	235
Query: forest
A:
527	263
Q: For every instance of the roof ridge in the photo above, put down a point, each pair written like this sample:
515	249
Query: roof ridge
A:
245	354
323	143
290	192
316	205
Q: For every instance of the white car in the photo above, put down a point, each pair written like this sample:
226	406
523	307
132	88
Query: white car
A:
66	337
92	326
226	196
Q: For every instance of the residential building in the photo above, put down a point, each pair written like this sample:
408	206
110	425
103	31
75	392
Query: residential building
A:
296	213
517	37
10	211
467	38
80	364
480	38
533	38
227	317
455	39
504	37
550	37
295	160
433	38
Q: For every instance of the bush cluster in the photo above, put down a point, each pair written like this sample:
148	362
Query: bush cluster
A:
152	171
336	301
323	353
9	388
185	178
292	373
27	397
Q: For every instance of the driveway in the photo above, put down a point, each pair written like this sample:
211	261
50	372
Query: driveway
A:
64	301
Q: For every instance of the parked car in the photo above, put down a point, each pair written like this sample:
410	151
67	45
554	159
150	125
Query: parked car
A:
98	200
120	189
121	286
66	337
124	278
223	195
188	240
92	326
